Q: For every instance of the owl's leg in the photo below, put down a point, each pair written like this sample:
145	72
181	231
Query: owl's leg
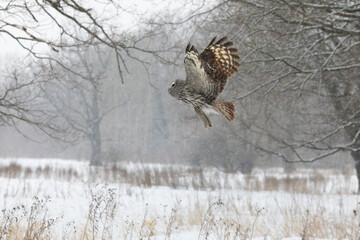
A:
205	119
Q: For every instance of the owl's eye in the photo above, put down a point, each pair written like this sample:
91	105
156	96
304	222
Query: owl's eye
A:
173	84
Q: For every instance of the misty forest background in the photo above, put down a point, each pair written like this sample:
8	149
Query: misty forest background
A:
93	88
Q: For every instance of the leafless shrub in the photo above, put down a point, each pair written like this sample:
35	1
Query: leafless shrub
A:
164	176
209	220
129	229
304	232
194	215
9	221
38	224
13	170
101	213
221	226
310	181
317	182
38	171
147	228
252	183
69	231
71	173
22	223
119	172
296	184
171	224
28	172
47	171
147	178
215	221
271	183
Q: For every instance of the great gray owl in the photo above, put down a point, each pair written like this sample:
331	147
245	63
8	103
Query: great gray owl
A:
206	77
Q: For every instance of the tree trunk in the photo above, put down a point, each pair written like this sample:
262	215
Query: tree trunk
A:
346	100
95	135
95	159
356	157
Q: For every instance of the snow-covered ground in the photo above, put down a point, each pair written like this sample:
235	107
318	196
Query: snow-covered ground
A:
100	204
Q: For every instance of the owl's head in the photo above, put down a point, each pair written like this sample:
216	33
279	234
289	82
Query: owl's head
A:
176	88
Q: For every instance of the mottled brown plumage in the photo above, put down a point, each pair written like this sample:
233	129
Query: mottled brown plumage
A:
206	76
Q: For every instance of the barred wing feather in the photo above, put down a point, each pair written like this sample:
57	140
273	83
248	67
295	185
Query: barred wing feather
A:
220	62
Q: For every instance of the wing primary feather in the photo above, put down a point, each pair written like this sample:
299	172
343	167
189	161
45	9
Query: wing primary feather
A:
193	49
228	44
221	40
188	47
212	41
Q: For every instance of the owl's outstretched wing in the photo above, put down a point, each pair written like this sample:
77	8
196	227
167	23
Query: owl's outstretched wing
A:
220	62
208	72
195	72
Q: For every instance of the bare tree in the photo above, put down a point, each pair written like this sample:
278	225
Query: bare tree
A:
21	101
81	103
45	28
298	86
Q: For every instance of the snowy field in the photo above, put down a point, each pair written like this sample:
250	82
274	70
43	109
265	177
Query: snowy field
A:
66	199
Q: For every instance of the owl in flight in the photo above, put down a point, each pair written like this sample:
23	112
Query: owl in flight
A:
206	77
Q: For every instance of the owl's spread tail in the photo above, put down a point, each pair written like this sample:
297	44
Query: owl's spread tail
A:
226	108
